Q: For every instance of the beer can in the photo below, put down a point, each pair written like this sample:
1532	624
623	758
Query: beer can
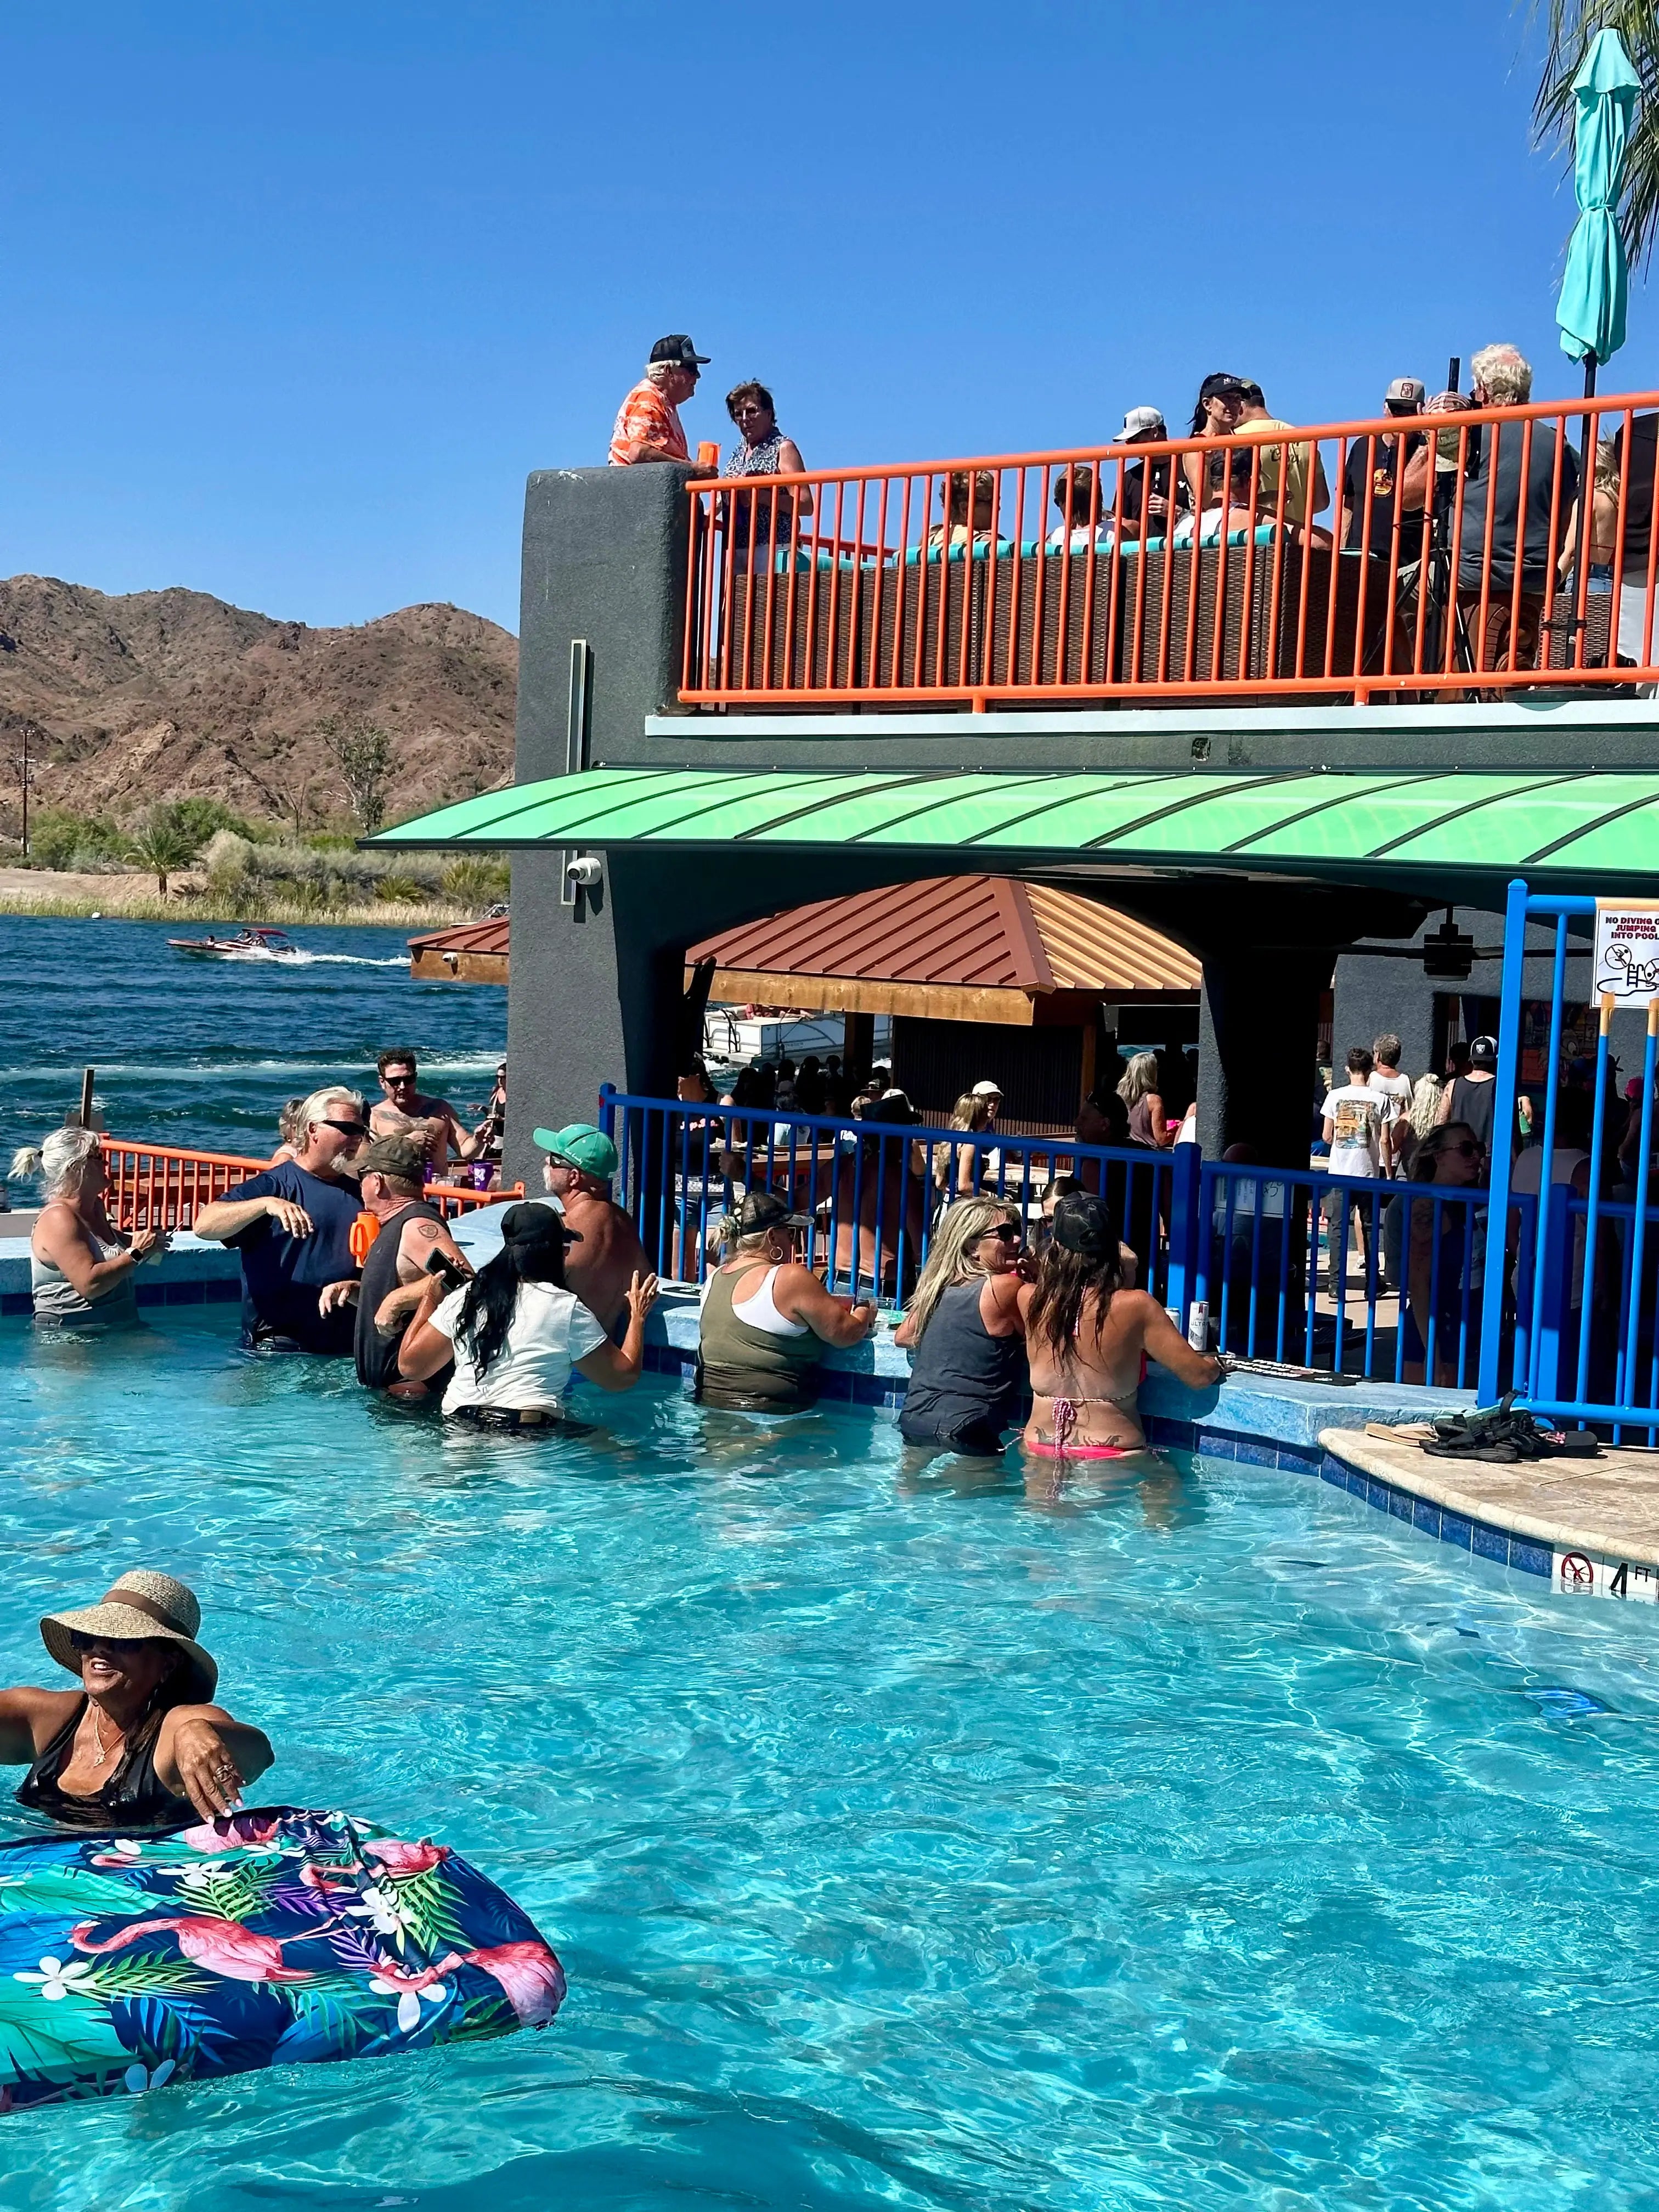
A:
1198	1324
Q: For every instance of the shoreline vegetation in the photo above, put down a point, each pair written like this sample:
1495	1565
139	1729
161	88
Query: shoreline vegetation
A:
193	861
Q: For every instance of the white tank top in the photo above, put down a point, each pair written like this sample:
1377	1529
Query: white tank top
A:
761	1311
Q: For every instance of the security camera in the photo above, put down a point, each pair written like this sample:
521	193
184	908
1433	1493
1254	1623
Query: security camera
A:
583	871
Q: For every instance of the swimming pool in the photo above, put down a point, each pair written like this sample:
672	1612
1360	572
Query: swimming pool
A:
1208	1840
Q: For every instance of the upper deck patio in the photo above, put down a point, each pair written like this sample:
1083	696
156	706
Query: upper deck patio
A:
1250	569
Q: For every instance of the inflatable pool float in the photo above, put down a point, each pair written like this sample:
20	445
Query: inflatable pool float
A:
269	1938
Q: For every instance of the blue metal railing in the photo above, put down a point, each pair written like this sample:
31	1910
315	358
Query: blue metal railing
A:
1268	1235
1247	1241
872	1193
1590	1352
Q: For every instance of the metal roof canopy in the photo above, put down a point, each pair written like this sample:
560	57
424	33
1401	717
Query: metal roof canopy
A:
1377	826
962	948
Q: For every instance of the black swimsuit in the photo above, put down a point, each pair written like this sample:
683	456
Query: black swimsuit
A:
135	1796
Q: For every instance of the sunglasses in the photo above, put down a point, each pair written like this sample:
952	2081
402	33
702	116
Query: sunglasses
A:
1006	1232
81	1644
1468	1149
346	1129
397	1082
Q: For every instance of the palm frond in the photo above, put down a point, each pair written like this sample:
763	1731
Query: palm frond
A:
1569	25
426	1904
140	1975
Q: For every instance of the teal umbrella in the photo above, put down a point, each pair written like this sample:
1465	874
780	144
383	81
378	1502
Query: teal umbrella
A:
1596	289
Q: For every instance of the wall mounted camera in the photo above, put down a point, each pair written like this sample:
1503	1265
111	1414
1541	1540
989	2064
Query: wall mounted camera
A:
584	871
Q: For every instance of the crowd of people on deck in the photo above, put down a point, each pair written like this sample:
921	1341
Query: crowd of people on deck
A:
1397	498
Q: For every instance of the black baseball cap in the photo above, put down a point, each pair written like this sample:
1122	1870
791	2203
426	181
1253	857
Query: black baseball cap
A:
678	349
1483	1052
762	1210
1083	1224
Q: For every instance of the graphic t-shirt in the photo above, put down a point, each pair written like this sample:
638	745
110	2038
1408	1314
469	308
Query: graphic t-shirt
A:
1356	1114
1371	475
282	1274
550	1331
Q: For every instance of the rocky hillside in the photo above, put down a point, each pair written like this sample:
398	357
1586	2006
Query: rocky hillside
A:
175	693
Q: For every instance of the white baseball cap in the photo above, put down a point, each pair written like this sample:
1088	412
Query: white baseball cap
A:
986	1090
1140	419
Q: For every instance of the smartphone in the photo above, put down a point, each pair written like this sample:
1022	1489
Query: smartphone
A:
454	1277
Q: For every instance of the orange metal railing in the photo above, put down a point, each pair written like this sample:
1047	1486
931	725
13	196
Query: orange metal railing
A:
1241	566
164	1186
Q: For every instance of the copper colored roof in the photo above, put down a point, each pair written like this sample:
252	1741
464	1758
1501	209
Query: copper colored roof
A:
470	937
980	931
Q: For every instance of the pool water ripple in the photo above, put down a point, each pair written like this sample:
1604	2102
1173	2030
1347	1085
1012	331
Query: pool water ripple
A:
907	1843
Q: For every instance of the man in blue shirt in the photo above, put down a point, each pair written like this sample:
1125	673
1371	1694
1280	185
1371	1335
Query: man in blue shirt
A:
292	1225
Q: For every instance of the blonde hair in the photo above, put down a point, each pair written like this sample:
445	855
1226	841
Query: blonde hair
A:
1425	1103
960	1228
1505	373
60	1159
1606	465
968	1113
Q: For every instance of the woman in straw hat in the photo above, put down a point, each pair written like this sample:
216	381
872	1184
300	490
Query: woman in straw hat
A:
139	1745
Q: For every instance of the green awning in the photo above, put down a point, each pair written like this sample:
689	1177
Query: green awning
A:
1298	821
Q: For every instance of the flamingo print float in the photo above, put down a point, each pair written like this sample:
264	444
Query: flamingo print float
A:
223	1947
529	1974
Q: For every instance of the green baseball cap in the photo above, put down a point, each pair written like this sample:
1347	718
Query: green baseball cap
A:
579	1144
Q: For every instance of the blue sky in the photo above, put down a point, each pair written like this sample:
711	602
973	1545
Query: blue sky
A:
296	295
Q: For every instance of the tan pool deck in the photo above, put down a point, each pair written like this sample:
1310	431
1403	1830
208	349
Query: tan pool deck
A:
1599	1518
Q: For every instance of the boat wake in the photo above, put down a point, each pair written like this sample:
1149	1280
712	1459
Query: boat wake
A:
257	956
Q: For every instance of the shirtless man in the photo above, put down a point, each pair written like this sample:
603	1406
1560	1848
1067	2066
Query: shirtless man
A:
580	1163
440	1127
1084	1337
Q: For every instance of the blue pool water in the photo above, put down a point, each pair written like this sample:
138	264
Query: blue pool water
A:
1176	1844
203	1053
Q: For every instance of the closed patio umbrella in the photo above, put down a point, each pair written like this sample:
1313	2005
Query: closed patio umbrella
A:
1595	289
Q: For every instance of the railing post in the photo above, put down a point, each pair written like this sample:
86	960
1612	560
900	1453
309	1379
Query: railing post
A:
608	1109
1503	1122
1553	1296
1185	1183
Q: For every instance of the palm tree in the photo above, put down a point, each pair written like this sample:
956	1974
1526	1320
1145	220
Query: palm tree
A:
1572	24
163	844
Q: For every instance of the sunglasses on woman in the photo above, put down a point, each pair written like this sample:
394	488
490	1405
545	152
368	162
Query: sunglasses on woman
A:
1006	1232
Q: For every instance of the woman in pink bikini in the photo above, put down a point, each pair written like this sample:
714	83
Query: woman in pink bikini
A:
1087	1337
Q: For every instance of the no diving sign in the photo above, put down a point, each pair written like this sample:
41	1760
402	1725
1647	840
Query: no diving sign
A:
1628	949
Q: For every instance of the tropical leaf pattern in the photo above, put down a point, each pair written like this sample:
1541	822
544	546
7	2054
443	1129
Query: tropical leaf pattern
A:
270	1936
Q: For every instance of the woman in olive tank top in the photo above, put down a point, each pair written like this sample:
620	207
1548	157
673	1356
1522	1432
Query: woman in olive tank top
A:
766	1318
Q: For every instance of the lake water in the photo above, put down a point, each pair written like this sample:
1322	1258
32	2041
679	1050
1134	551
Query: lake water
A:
204	1052
1209	1841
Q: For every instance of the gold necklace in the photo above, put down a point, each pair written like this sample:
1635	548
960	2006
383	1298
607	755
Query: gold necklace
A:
102	1752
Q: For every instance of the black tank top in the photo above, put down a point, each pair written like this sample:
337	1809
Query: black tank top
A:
135	1796
1473	1103
376	1355
958	1370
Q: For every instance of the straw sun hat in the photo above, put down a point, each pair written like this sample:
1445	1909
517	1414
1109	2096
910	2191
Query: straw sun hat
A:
143	1604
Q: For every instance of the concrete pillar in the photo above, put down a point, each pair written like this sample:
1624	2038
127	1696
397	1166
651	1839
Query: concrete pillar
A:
604	564
1258	1028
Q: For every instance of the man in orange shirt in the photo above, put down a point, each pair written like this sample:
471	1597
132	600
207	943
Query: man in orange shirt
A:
647	426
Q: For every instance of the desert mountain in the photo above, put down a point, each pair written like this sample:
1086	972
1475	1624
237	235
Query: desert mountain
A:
175	693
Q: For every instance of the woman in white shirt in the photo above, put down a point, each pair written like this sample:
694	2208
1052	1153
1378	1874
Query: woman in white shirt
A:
514	1332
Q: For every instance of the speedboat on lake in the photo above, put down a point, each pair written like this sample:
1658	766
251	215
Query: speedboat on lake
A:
273	944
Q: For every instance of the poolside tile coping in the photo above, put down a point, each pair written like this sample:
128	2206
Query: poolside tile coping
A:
1591	1527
